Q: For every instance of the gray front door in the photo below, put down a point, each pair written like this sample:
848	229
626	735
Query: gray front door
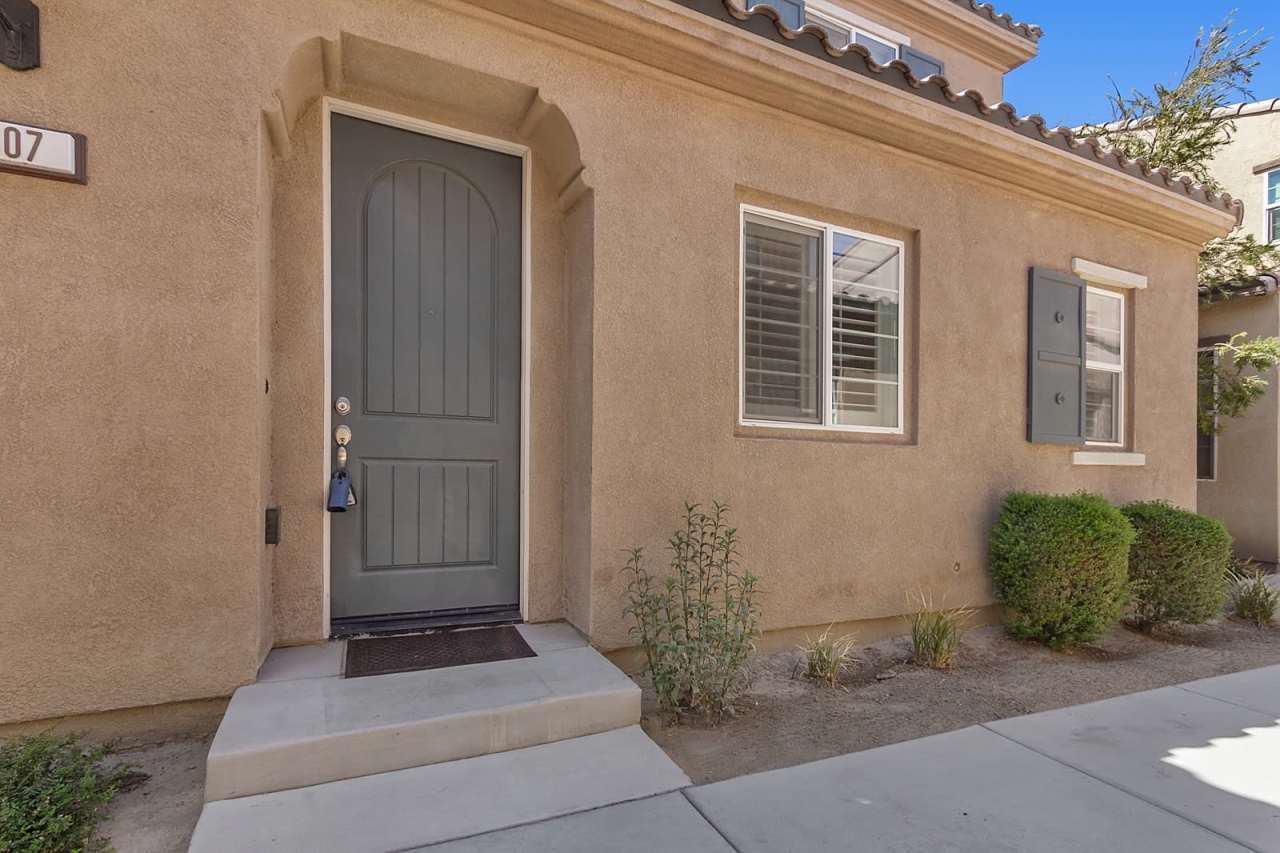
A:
426	346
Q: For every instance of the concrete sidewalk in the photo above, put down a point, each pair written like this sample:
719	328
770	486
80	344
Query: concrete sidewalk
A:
1188	769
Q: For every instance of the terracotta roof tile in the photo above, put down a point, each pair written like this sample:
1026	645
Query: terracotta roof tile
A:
1227	113
1244	110
986	10
764	20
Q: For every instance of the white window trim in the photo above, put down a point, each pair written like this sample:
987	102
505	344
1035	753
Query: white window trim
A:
828	231
1097	273
1267	208
1128	460
1214	478
1119	369
842	17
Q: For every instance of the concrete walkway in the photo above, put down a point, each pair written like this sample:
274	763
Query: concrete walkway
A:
1189	769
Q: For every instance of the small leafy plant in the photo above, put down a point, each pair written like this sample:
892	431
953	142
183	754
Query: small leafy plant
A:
697	625
827	656
53	793
935	633
1249	595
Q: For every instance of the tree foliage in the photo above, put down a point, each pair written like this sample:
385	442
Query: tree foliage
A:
1235	257
1232	380
1175	127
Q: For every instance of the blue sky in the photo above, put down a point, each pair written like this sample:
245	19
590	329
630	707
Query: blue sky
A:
1136	42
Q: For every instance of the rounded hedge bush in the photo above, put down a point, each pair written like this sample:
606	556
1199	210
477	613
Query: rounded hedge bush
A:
1178	565
1061	563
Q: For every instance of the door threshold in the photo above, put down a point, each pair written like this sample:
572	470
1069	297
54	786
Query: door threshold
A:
403	623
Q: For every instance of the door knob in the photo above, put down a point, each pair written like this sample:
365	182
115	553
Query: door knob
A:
342	437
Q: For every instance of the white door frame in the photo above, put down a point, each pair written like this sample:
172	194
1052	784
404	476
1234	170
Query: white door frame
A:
330	106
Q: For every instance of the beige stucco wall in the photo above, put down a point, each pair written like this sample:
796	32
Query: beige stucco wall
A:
1254	142
135	365
129	363
1244	494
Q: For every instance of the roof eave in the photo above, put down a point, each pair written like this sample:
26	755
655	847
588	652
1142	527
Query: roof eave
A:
964	25
750	57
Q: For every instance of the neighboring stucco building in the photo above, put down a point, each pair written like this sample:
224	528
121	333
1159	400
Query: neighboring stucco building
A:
1239	468
558	266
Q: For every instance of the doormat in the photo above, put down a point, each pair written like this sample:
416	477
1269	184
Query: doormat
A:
385	655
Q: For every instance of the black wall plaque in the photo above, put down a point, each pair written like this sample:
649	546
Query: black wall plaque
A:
19	34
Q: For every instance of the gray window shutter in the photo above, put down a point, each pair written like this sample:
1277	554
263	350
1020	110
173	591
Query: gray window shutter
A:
922	64
1056	365
791	11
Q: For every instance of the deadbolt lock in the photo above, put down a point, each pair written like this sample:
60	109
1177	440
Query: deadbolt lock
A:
342	406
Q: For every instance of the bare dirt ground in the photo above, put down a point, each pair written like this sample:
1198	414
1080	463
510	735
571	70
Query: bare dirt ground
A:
786	719
159	815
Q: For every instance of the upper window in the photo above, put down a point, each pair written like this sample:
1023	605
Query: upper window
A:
1104	367
1271	206
844	28
821	325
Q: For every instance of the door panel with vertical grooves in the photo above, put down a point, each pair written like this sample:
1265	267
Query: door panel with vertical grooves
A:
430	513
432	289
426	337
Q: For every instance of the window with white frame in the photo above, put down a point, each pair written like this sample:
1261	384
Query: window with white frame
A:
1271	206
844	28
1104	367
821	325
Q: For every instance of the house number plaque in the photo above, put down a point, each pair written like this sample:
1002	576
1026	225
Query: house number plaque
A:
41	152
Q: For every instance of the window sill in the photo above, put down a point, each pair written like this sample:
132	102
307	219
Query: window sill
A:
1108	457
823	434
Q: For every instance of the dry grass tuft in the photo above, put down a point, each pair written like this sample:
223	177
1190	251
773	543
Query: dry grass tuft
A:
1249	595
935	633
826	656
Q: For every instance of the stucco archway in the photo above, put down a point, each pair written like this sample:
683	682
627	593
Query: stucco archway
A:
398	80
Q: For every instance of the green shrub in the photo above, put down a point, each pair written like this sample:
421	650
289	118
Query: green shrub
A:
53	793
1251	597
1060	562
1177	565
697	626
825	656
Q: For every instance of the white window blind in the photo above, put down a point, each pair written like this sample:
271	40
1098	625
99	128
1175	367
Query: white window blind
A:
781	328
864	332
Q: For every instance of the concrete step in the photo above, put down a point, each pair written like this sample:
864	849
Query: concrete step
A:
304	725
406	809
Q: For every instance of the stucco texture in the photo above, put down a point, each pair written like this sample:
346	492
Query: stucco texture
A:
150	309
1244	494
1255	141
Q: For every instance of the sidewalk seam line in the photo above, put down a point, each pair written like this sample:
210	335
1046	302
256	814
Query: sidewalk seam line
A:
1226	701
1124	790
535	821
684	792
